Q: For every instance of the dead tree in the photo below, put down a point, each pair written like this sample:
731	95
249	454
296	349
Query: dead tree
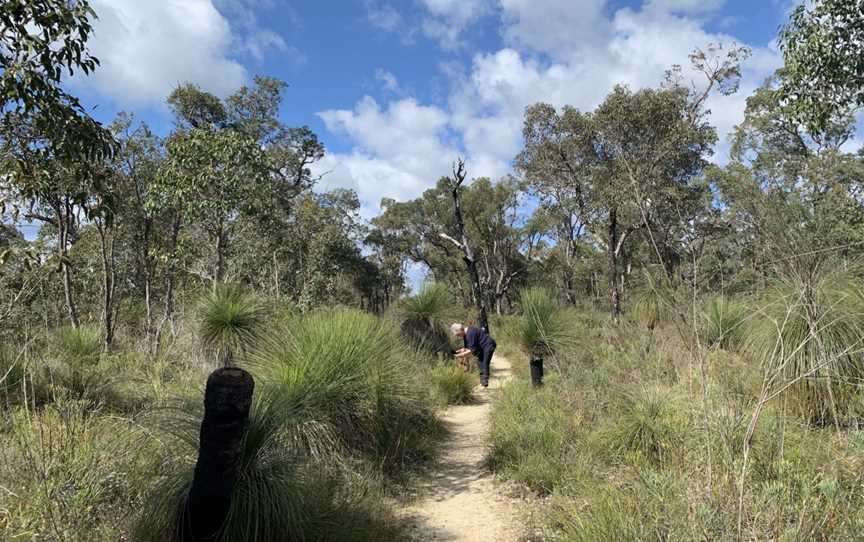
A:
477	293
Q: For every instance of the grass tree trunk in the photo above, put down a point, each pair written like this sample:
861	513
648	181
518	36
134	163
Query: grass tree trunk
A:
227	401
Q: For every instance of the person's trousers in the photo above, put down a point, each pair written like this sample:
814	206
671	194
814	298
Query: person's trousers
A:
483	363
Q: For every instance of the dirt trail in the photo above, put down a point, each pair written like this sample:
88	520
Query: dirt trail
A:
459	501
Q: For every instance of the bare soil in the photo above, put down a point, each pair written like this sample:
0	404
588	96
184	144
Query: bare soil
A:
459	500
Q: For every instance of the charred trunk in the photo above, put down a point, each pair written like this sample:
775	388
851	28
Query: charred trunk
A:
227	402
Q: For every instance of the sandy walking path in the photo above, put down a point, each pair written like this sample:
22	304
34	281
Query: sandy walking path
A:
459	501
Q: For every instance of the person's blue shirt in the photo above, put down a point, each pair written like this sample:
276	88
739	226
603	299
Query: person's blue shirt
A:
478	341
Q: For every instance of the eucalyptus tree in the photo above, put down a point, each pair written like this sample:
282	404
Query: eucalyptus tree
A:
792	192
823	44
48	143
632	166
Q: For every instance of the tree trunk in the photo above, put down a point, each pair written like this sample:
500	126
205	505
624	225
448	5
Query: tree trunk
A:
64	224
221	255
106	237
168	316
612	262
147	271
227	401
467	254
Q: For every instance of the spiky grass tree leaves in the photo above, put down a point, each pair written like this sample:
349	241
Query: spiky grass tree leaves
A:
423	318
724	321
278	494
541	328
230	322
355	372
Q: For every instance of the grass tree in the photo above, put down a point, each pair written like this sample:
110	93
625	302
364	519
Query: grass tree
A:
423	316
541	328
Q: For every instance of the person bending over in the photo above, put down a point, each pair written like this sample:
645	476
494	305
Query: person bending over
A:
479	343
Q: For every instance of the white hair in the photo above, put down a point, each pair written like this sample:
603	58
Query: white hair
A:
456	328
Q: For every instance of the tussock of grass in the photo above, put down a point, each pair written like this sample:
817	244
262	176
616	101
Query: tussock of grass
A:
453	386
725	323
354	372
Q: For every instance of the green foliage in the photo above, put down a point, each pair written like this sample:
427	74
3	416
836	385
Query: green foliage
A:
453	385
624	441
650	309
648	424
231	321
42	43
11	370
725	323
74	473
822	46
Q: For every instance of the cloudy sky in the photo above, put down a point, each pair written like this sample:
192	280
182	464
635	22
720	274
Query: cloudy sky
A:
397	89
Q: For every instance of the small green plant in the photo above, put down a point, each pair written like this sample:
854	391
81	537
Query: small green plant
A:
453	386
647	424
76	365
230	322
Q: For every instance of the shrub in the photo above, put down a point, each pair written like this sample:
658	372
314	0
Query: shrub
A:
72	473
453	386
647	423
76	366
810	339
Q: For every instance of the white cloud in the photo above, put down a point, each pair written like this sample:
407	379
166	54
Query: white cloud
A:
387	79
554	26
686	6
399	151
557	51
148	48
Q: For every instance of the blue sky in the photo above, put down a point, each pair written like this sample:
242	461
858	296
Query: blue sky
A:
397	89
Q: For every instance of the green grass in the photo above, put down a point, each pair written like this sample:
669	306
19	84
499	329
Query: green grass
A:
292	484
811	340
630	440
356	374
452	385
725	323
